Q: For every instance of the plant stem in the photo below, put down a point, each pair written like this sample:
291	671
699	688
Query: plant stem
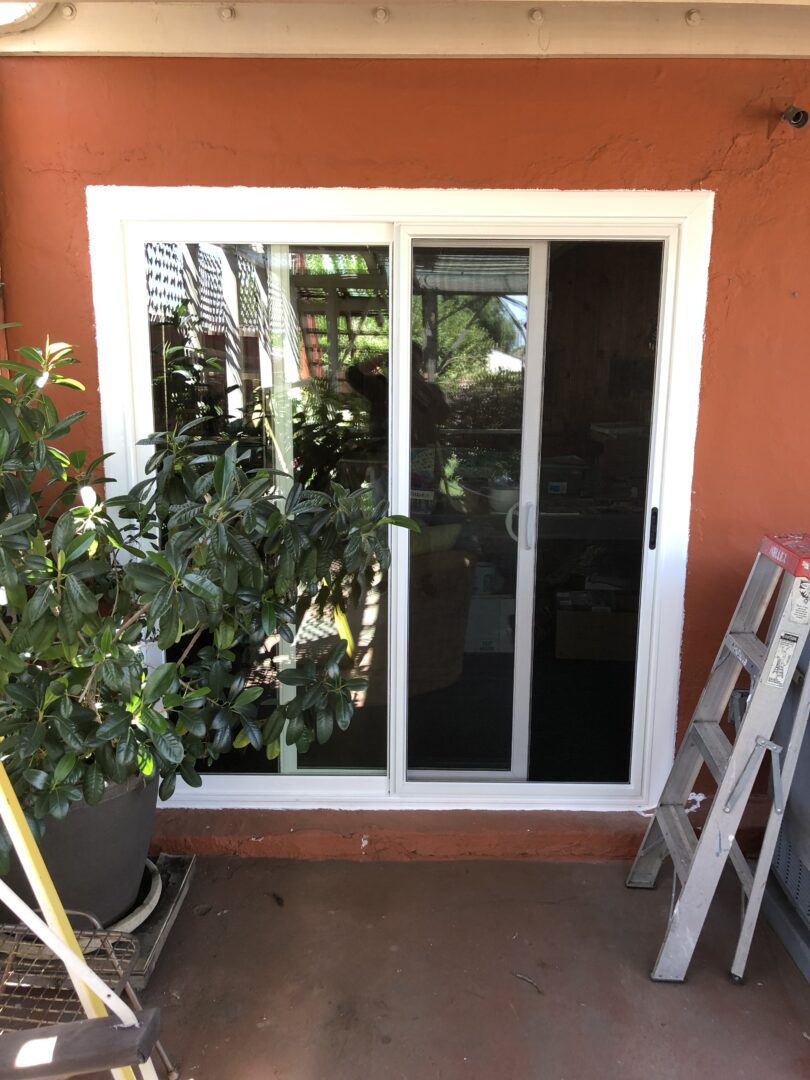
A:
127	623
190	645
133	618
87	685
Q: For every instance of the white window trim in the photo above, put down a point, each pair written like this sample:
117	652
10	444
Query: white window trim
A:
122	219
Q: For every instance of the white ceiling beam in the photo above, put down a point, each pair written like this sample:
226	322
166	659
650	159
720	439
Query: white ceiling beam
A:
407	28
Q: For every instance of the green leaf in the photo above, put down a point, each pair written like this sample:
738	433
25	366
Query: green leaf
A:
126	752
190	774
204	589
63	532
168	745
12	526
58	804
167	786
224	470
68	732
93	784
253	732
268	614
12	663
37	779
18	495
247	696
81	596
160	680
295	729
292	677
161	604
64	426
79	545
64	767
343	712
243	549
146	761
169	630
114	727
274	725
273	750
401	521
323	727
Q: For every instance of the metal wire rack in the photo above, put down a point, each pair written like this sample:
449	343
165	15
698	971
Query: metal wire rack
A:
34	986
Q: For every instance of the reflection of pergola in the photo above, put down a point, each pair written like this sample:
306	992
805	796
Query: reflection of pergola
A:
337	307
232	289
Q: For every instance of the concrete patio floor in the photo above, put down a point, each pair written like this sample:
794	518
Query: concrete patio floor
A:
281	970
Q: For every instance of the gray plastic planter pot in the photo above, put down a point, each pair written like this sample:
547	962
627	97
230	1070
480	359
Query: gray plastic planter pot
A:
96	855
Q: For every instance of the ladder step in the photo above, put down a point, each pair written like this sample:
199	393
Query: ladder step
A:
749	650
714	746
679	836
78	1048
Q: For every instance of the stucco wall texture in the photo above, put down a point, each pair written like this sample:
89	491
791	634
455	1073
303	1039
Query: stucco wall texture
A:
656	124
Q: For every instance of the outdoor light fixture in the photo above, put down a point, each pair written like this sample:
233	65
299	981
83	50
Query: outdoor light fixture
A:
795	116
17	17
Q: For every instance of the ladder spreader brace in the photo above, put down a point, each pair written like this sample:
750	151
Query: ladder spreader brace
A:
772	664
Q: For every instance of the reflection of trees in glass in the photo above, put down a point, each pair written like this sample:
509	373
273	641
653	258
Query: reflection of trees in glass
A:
488	400
469	328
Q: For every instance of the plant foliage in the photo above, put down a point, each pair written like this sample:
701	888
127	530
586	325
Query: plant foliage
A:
208	557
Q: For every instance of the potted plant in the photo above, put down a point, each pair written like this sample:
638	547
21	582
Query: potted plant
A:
209	558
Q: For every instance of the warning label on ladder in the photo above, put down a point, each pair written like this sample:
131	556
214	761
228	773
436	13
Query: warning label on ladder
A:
781	662
800	600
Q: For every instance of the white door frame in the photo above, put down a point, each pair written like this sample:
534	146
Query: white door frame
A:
122	219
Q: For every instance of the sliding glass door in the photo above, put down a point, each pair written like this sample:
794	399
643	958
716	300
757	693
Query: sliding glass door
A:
531	373
477	324
532	382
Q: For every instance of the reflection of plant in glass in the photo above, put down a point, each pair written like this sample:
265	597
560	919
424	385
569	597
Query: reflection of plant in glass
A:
490	400
184	389
451	481
328	428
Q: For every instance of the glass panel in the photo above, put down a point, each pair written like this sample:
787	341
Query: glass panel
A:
469	324
597	406
286	350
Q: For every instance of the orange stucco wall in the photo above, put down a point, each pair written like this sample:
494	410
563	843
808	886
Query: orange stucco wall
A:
664	124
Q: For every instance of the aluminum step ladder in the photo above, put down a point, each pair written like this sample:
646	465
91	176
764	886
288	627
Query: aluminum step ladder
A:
771	663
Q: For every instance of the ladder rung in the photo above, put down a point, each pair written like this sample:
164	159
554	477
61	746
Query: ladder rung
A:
679	837
78	1047
749	650
713	745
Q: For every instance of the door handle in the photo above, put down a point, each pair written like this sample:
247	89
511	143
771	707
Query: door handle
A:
528	520
653	536
529	514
